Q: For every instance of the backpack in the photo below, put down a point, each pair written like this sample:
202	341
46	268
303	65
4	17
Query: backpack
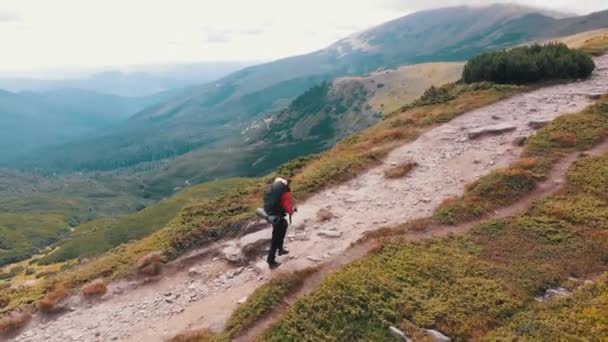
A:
272	199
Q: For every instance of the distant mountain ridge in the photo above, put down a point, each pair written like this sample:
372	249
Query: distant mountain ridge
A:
138	82
31	120
213	115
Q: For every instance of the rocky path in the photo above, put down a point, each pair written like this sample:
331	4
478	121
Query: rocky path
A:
449	157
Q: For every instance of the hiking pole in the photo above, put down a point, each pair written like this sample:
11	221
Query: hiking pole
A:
290	218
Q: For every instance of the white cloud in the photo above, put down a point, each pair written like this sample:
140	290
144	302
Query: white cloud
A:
88	33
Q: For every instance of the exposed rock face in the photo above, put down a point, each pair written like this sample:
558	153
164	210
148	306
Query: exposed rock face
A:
490	130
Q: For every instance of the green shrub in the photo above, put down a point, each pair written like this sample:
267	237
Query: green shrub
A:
529	64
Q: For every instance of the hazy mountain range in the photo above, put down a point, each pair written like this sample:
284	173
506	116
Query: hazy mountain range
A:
133	81
214	115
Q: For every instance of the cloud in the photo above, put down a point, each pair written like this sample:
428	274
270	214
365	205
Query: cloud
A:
71	33
568	6
9	17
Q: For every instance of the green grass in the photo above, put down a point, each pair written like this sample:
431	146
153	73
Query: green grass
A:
466	286
567	133
98	236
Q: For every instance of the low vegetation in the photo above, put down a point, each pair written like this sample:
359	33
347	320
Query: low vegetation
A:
401	170
571	132
201	335
468	286
95	288
529	64
150	265
14	321
585	314
52	299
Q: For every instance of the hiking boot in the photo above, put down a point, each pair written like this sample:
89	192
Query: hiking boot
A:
283	252
273	264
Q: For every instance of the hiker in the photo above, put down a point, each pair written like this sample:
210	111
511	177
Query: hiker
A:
278	203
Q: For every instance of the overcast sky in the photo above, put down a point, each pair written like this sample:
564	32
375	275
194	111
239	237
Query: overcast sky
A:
39	34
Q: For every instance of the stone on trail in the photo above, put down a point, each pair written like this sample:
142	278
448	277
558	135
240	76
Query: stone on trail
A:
492	129
329	234
255	240
437	336
193	272
539	123
242	301
232	252
313	259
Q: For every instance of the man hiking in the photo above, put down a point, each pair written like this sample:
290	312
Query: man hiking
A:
278	203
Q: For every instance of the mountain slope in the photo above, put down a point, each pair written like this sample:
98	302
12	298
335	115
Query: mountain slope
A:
207	115
34	120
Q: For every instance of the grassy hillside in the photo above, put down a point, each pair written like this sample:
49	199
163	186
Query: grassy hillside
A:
209	220
392	88
468	286
94	237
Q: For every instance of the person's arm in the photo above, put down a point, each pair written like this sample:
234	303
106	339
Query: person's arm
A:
287	203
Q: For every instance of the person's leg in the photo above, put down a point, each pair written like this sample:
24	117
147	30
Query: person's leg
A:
274	243
282	232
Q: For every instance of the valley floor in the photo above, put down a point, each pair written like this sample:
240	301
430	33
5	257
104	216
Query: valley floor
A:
205	296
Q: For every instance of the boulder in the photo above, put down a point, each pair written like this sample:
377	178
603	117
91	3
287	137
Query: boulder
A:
255	240
492	129
232	252
437	336
539	123
313	259
330	234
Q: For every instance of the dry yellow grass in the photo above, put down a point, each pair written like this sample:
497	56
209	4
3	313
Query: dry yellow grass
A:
150	264
51	299
400	170
193	336
396	87
95	288
594	42
14	321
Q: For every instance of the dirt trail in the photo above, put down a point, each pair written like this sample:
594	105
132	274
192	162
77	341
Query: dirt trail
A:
447	160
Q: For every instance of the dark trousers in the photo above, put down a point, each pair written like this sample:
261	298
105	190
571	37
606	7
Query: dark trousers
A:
279	229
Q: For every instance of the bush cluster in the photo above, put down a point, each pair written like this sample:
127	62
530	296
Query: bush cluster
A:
529	64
